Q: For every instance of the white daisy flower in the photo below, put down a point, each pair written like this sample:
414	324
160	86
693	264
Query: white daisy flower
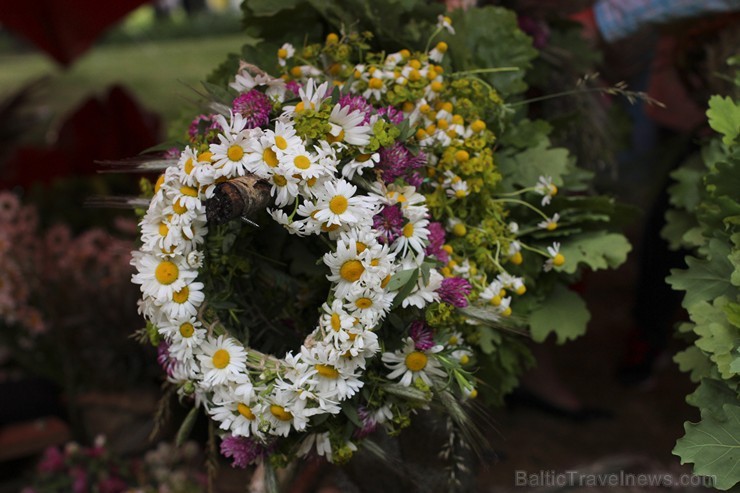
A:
284	186
223	360
438	52
556	258
546	188
335	322
237	411
161	278
311	96
458	190
320	441
410	364
360	163
368	305
280	217
285	52
444	22
423	294
375	86
414	236
328	377
347	126
184	335
299	161
550	224
337	204
185	302
231	154
284	411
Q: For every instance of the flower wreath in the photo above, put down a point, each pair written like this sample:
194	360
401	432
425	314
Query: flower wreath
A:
343	154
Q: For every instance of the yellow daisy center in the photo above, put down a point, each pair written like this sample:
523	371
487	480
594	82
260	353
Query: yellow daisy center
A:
245	411
363	303
408	230
452	340
282	53
517	258
188	167
416	361
279	180
551	226
338	204
187	330
496	300
360	246
332	139
159	183
521	290
375	83
205	157
327	371
280	142
442	47
436	86
385	281
181	296
189	191
464	359
351	270
221	359
235	153
302	162
166	272
478	126
269	157
336	322
280	413
558	260
163	229
178	208
460	193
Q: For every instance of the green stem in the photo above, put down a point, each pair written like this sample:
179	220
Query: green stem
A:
525	204
572	92
485	71
535	250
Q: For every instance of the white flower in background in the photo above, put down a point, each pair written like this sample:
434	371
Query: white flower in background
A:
438	52
444	22
222	360
311	96
285	52
550	224
556	258
546	188
458	190
410	364
359	164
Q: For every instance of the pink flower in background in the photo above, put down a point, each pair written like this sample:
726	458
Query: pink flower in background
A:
52	461
436	242
389	224
357	103
398	161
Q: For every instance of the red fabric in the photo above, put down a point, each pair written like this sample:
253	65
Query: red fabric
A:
64	29
111	127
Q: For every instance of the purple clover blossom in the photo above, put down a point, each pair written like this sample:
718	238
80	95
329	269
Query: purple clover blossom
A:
294	87
454	290
422	334
52	461
394	116
357	103
202	124
369	424
436	242
164	360
389	224
255	107
397	161
172	153
244	451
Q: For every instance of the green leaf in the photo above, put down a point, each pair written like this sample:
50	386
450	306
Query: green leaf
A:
732	310
186	427
710	396
406	289
525	168
401	278
687	191
713	446
563	313
704	279
693	361
488	339
724	117
595	249
677	223
724	180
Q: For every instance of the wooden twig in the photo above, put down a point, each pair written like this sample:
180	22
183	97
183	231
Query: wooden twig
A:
239	197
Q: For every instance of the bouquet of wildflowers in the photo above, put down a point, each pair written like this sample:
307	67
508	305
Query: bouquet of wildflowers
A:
335	248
